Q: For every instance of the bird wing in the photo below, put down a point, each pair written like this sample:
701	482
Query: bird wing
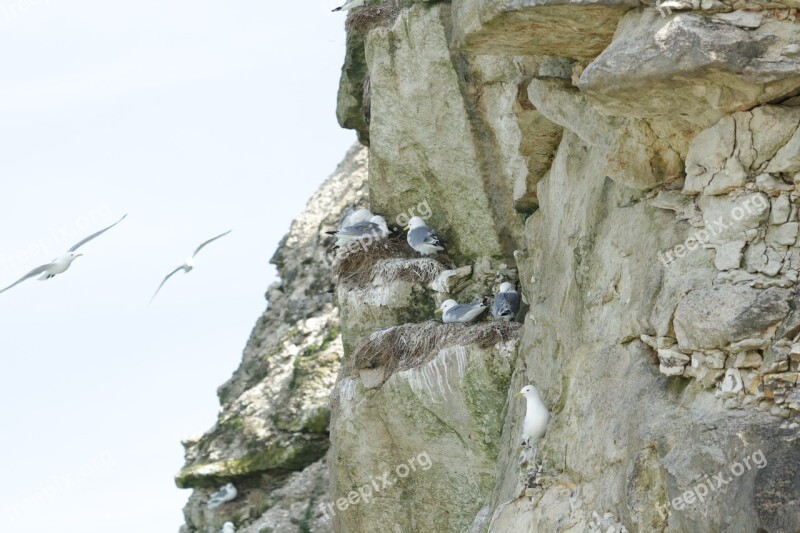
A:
35	272
93	235
422	235
357	230
505	303
210	241
165	280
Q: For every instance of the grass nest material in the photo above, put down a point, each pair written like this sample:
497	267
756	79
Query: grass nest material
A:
363	20
390	258
411	345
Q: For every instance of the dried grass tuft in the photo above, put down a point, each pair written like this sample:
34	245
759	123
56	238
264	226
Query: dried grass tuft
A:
392	258
367	18
411	345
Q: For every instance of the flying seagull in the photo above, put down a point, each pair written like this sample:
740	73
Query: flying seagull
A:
421	237
188	265
60	264
453	312
223	495
536	418
506	302
351	4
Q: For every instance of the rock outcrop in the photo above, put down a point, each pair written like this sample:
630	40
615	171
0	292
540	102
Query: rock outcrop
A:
634	168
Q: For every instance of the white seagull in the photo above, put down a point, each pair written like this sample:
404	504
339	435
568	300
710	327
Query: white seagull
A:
188	265
227	527
376	228
60	264
455	313
421	237
223	495
506	302
351	4
536	418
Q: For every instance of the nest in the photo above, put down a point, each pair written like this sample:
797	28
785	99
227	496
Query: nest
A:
411	345
360	262
367	18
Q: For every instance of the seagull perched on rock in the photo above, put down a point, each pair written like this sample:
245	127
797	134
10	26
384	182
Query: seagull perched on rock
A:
536	418
351	4
223	495
456	313
375	228
60	264
421	237
227	527
506	302
188	265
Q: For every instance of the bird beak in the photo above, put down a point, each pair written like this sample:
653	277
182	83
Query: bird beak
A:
518	394
78	255
406	228
440	310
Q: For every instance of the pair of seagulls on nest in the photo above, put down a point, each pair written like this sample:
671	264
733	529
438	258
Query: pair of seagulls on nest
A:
62	263
504	307
363	225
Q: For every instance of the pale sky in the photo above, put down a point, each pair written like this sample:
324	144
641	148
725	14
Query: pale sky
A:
193	117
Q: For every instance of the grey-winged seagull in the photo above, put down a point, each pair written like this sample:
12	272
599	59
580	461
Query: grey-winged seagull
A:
62	263
456	313
188	264
223	495
421	237
506	302
375	228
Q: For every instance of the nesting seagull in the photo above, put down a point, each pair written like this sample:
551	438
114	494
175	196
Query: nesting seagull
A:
188	265
227	527
506	302
60	264
223	495
536	418
375	228
351	4
421	237
453	312
355	216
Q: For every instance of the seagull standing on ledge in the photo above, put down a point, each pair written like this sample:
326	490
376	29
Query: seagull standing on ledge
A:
421	237
60	264
188	265
351	5
506	302
536	418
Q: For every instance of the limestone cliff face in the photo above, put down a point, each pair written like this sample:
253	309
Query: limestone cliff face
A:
635	169
271	437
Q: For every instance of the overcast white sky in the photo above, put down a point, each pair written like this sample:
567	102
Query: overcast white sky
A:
193	117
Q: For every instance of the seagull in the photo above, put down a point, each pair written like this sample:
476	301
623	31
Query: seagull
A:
375	228
223	495
421	237
60	264
536	418
506	302
188	265
227	527
453	312
354	217
351	4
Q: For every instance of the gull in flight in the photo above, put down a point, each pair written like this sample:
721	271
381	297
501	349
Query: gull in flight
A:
188	265
60	264
351	4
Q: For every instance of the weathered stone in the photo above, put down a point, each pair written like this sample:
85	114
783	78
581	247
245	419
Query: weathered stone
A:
751	359
729	255
778	386
731	383
780	211
658	66
728	217
783	235
742	19
771	185
580	29
672	362
715	317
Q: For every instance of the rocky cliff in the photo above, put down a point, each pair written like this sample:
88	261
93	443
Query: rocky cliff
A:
635	169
